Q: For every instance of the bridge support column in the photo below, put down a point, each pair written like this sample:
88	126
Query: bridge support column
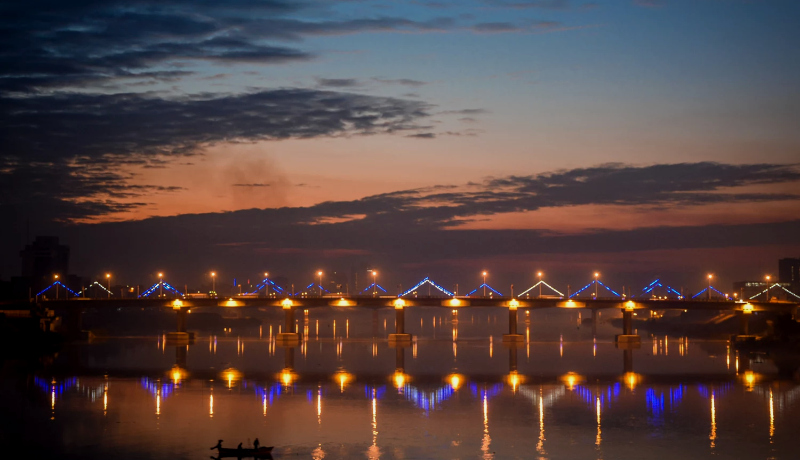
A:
628	338
627	361
744	326
595	318
180	336
512	335
289	338
399	335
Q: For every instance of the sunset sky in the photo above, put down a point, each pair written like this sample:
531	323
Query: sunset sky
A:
639	137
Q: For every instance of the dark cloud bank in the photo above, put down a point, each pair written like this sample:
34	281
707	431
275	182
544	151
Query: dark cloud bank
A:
413	228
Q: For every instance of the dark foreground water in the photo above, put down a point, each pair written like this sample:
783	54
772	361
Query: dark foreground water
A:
454	393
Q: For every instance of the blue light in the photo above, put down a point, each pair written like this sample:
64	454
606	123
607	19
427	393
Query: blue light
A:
591	284
486	286
267	282
153	288
374	285
428	281
58	283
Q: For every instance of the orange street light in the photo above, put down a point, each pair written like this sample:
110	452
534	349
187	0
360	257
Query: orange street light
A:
484	283
108	278
319	273
540	282
596	275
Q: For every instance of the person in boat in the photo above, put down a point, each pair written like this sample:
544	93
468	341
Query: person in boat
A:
218	446
239	447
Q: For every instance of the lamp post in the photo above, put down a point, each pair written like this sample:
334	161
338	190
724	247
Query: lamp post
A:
160	285
708	289
56	277
319	273
768	286
108	279
374	283
484	284
596	275
540	283
266	283
214	283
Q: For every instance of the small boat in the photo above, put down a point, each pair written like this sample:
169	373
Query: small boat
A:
261	452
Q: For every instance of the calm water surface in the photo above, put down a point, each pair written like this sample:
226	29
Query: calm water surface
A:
453	393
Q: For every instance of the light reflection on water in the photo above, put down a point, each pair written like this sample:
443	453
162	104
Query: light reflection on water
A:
334	397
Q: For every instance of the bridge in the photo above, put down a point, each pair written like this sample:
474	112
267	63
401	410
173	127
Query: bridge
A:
71	310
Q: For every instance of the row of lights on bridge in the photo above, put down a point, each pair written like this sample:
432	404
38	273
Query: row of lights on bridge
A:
375	277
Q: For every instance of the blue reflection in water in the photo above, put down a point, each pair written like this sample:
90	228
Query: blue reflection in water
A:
154	386
58	388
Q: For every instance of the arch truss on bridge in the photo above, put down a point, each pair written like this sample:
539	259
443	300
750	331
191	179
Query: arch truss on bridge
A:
96	284
315	286
427	280
268	282
597	282
58	283
770	288
373	286
540	283
484	285
650	289
155	287
706	291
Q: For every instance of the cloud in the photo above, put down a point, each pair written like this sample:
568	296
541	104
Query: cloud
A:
128	127
400	81
338	82
464	112
530	4
59	150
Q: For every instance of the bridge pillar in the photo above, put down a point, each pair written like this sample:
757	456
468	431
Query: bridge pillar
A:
289	338
182	314
627	360
400	359
180	336
512	335
512	359
744	326
595	317
628	339
399	336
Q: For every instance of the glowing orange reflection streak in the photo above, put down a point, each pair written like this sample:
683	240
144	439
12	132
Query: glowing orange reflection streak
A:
771	417
487	440
598	439
713	436
540	444
319	406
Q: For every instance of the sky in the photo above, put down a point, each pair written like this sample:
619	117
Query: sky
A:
640	138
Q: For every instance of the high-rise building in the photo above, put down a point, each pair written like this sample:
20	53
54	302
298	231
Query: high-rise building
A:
44	258
789	270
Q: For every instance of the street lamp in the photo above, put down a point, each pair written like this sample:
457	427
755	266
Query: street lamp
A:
768	286
484	284
108	278
214	283
161	285
374	283
540	283
319	273
266	283
56	281
708	290
596	275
